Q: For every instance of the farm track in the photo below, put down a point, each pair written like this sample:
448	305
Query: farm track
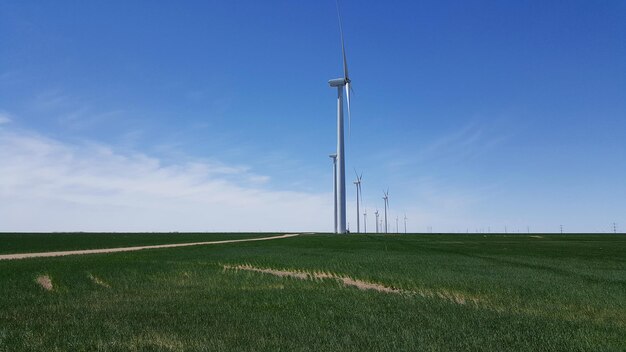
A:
16	256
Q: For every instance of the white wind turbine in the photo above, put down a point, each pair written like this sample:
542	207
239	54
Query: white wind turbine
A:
405	218
376	213
357	183
397	224
365	221
340	175
386	199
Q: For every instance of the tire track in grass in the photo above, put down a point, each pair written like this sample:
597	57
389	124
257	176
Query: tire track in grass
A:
452	296
136	248
447	295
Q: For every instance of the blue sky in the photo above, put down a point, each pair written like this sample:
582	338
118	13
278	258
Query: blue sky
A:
217	116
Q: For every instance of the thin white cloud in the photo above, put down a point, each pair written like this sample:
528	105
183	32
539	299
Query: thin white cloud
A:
5	118
49	185
52	99
463	144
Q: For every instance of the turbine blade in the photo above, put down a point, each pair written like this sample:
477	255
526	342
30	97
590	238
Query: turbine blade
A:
346	77
349	112
345	61
343	47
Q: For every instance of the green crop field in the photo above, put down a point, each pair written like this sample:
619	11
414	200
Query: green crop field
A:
326	293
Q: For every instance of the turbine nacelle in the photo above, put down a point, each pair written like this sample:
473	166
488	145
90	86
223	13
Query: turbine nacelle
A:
338	82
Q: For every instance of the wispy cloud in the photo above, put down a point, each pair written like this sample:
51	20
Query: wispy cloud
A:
9	76
51	99
464	143
5	118
71	111
49	185
451	148
84	118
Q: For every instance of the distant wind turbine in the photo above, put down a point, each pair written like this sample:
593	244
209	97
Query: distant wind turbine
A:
376	213
397	224
386	199
365	221
405	223
357	183
340	84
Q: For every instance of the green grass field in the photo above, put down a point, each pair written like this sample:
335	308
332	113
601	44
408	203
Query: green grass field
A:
454	293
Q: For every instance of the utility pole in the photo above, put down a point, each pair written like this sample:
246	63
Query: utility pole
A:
614	228
397	224
561	229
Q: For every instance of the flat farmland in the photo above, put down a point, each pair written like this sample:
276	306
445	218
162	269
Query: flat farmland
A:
445	292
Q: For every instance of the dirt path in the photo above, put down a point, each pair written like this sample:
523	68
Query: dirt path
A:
129	249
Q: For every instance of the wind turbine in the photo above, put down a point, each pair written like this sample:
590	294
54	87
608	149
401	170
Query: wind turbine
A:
397	224
357	183
340	175
405	223
386	198
376	213
365	221
334	157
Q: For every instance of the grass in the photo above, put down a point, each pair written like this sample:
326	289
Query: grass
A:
554	293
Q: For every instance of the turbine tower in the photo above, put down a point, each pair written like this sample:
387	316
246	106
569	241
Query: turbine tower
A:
386	198
405	223
340	175
357	183
365	221
376	213
334	157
